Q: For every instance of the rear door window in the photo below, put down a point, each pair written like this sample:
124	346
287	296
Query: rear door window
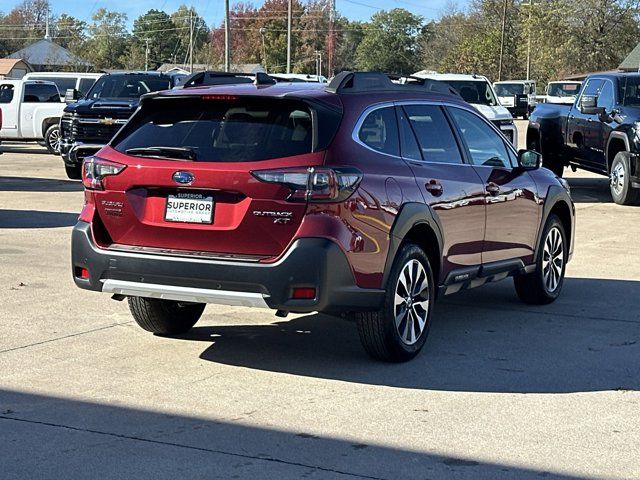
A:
222	131
434	134
6	93
41	93
379	131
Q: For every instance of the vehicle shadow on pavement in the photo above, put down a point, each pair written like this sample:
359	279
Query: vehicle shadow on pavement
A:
31	149
79	438
36	219
21	184
482	340
590	190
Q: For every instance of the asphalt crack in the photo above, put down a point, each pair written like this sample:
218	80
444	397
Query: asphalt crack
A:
71	335
191	447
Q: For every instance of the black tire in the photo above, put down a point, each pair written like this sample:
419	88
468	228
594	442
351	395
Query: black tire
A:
165	317
74	172
534	288
622	191
52	139
378	332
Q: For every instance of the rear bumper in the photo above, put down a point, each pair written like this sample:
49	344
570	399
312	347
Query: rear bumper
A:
309	262
73	153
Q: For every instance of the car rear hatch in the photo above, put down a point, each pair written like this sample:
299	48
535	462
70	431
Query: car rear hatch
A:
187	176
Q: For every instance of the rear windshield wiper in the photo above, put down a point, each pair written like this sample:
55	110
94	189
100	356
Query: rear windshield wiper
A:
178	153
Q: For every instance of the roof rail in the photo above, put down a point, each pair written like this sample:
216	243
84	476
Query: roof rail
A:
356	82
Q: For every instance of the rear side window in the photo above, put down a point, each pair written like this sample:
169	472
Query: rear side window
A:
223	131
41	93
379	130
63	83
434	134
6	93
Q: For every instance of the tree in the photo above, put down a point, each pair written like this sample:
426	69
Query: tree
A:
108	39
389	43
69	32
182	19
155	29
349	35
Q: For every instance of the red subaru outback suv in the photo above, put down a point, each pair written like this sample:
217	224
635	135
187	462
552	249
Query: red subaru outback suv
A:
366	198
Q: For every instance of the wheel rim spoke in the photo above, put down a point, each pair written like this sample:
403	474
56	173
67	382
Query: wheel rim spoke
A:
553	260
411	302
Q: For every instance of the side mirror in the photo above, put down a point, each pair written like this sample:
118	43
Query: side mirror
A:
71	95
529	160
589	105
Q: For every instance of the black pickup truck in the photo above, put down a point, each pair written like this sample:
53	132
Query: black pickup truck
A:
90	123
600	133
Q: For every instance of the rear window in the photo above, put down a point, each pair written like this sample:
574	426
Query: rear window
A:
6	93
226	131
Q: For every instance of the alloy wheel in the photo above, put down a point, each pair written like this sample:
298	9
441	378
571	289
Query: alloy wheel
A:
617	178
411	302
553	259
54	140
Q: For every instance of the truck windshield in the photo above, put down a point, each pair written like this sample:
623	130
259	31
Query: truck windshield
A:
508	89
563	89
629	90
474	91
127	86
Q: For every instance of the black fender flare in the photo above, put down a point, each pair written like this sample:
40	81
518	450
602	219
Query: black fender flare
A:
556	194
616	135
410	215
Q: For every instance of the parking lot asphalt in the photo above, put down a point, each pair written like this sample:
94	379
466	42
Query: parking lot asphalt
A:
502	390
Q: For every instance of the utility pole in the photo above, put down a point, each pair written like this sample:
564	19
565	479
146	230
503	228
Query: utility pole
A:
227	39
146	55
191	41
289	18
504	24
332	18
263	31
530	4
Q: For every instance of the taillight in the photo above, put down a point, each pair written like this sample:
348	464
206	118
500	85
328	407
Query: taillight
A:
95	169
314	184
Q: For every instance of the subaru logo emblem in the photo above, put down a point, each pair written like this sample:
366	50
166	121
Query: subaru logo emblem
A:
183	178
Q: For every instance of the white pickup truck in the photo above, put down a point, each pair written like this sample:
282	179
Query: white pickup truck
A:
31	111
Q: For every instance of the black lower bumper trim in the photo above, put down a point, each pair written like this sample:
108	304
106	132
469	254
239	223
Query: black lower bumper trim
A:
309	262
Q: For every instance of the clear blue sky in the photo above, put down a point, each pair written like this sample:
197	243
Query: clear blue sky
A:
213	10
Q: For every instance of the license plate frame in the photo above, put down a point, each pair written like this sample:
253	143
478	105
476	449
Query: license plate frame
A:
175	215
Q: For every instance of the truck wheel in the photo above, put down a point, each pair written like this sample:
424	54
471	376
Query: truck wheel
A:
74	172
398	331
620	181
543	285
165	317
52	139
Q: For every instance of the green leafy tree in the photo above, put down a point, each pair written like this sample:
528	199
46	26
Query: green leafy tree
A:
182	19
390	42
156	30
108	39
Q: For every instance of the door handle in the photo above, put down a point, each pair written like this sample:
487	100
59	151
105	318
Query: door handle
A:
493	188
434	188
571	117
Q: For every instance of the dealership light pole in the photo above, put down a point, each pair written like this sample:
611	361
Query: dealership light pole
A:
530	4
289	15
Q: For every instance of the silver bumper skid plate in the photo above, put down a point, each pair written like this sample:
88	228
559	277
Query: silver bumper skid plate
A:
184	294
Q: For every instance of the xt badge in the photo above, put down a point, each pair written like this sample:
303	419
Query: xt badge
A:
278	217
